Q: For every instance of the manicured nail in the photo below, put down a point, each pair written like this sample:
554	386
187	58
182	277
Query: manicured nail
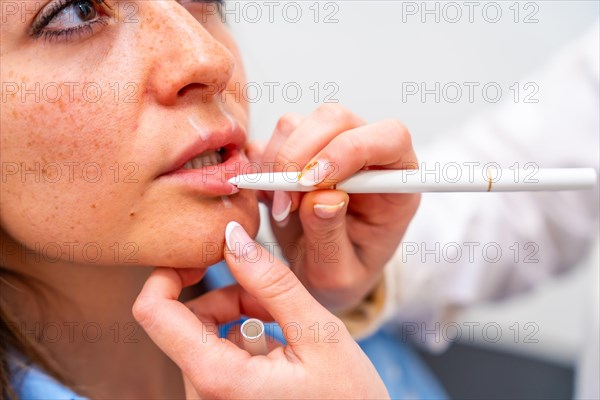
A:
283	224
238	241
282	204
314	173
326	211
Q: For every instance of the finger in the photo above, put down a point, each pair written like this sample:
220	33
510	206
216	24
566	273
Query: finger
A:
333	261
287	124
190	276
227	304
234	335
315	132
177	331
323	216
281	203
386	144
190	391
255	151
284	204
273	284
303	143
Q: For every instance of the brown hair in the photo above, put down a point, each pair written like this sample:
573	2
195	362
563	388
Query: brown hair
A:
12	339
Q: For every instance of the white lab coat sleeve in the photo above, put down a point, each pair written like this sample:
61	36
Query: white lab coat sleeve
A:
449	257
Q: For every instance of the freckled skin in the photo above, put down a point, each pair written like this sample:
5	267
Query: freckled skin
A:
126	134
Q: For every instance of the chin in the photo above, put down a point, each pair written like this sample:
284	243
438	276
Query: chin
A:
198	241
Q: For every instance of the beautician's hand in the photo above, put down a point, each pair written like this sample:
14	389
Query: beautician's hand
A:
321	360
336	243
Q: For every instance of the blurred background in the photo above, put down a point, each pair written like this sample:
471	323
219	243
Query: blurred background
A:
365	55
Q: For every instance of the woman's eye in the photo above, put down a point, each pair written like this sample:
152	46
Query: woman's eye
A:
63	18
73	15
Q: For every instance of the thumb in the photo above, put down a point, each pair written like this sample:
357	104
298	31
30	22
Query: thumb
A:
334	262
323	216
272	283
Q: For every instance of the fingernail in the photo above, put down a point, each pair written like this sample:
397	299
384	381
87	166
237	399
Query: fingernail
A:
326	211
283	224
238	241
314	173
282	204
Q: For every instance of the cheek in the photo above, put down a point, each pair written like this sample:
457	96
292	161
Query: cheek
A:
60	155
76	167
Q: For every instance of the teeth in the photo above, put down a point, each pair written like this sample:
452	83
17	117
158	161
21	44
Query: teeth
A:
208	158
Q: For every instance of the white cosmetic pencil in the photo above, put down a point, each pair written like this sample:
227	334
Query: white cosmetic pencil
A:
253	337
422	181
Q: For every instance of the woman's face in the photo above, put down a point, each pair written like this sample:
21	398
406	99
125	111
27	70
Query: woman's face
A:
105	108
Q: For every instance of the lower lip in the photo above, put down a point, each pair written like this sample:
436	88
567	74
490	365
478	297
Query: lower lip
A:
211	180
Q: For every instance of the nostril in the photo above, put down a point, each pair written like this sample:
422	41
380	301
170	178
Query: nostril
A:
192	87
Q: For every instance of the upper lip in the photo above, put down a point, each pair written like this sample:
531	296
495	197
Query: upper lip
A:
230	137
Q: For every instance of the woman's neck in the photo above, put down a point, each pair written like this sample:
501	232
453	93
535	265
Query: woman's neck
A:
84	321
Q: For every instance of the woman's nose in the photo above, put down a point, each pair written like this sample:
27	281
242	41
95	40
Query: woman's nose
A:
187	59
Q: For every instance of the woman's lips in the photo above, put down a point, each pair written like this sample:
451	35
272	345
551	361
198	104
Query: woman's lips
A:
212	179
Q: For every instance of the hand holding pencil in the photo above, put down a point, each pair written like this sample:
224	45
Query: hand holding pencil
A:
359	181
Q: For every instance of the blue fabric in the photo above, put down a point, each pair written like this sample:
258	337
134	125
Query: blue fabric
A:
400	367
29	382
402	370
